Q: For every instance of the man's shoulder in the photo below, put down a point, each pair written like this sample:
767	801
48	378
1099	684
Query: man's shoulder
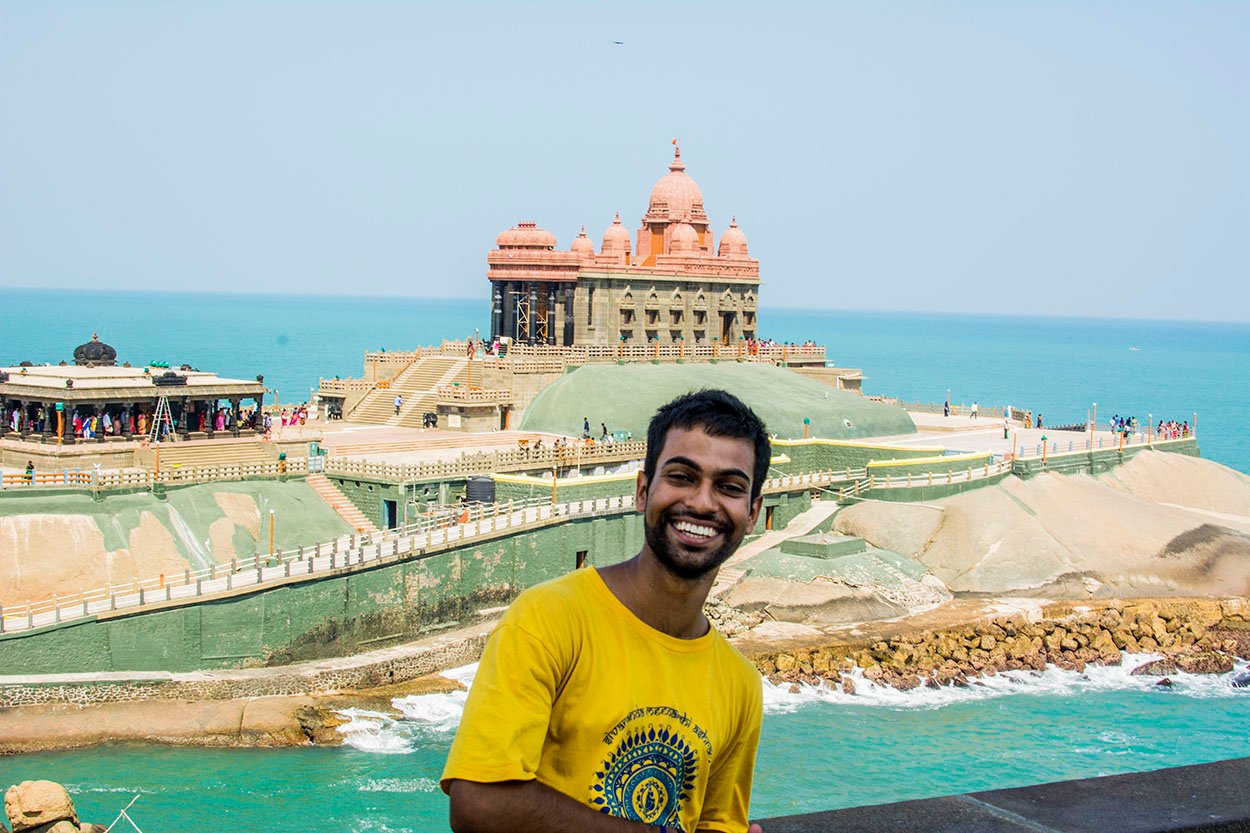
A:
570	592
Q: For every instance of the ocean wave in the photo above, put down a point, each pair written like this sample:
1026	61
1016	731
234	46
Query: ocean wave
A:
783	698
371	731
398	785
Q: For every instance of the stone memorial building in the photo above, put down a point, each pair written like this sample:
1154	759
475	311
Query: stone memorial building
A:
668	285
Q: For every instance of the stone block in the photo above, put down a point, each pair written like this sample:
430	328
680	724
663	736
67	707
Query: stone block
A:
32	804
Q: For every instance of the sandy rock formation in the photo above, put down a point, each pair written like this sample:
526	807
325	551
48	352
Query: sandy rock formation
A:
817	603
43	807
1078	536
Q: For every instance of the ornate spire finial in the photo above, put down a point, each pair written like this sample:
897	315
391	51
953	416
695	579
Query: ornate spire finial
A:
617	221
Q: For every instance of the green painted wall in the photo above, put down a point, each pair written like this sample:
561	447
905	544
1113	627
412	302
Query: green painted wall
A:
939	489
953	463
368	495
338	615
328	616
817	456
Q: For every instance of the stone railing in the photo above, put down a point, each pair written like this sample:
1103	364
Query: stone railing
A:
99	480
466	394
1107	442
559	357
442	529
343	387
519	459
960	409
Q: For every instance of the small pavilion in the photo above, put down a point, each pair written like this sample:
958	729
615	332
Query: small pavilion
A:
40	402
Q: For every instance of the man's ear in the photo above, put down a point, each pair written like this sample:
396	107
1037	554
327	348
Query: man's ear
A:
640	491
756	505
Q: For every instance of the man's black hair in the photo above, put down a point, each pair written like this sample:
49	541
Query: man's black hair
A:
720	414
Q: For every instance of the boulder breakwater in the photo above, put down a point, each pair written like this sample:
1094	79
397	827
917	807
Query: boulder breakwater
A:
1196	636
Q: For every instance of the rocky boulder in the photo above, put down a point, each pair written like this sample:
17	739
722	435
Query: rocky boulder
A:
32	804
43	807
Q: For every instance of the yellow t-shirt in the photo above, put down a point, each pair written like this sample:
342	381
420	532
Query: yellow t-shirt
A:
575	690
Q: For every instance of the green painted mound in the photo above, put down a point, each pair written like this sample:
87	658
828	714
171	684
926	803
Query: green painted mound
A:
625	397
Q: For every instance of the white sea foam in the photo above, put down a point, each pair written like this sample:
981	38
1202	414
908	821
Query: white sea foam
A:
779	699
373	732
376	732
441	713
398	785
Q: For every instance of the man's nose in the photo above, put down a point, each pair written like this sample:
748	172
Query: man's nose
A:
702	498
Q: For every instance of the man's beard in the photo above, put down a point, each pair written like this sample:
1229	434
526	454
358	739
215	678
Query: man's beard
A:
709	560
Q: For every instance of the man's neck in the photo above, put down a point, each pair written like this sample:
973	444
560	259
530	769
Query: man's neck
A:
668	603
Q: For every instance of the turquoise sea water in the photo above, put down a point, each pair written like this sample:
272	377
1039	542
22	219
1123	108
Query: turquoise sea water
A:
1056	366
819	750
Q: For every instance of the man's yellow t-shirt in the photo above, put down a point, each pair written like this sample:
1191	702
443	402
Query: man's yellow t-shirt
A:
575	690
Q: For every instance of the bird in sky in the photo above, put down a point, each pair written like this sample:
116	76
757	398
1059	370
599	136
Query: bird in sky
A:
619	42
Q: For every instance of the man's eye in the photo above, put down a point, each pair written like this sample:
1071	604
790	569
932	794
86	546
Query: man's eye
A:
679	477
733	488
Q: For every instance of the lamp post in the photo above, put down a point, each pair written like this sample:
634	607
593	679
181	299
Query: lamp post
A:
1093	424
271	520
807	421
554	470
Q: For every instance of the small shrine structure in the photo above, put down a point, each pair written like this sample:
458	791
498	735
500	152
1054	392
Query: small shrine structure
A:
41	403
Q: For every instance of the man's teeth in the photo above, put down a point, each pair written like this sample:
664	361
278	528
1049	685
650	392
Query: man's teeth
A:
695	529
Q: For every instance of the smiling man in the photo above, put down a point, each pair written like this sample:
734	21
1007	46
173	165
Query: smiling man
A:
605	701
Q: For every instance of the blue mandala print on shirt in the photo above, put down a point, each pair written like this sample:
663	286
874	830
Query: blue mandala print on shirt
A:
647	777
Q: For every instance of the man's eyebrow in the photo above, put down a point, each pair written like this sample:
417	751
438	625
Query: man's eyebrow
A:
691	464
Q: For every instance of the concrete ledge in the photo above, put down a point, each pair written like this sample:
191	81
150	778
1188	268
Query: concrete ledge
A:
1205	798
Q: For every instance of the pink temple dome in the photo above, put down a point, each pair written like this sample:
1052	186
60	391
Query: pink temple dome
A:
616	238
526	236
733	241
676	196
582	244
684	239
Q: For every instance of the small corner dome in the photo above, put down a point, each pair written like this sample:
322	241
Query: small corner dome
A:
526	236
684	239
733	241
582	244
95	352
616	238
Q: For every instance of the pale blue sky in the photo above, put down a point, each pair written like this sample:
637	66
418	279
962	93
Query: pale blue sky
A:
1056	158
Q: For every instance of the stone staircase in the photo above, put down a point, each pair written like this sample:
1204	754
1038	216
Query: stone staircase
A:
416	384
198	454
340	504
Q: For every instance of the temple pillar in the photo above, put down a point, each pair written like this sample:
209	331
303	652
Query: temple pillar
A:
234	409
568	316
55	417
551	315
496	312
4	417
97	411
185	420
258	417
509	311
530	335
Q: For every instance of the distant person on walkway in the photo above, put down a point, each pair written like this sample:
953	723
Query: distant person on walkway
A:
585	428
604	435
399	402
946	408
1006	426
975	409
30	471
605	700
1039	420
